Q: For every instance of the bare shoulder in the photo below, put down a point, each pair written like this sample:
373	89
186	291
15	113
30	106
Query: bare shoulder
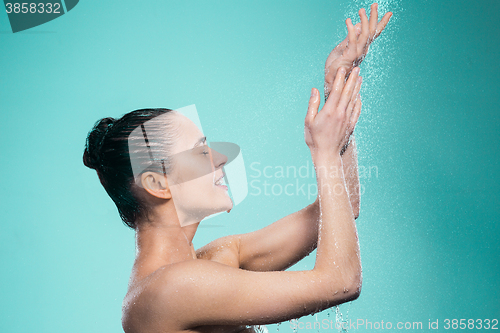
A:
141	298
155	299
161	299
223	250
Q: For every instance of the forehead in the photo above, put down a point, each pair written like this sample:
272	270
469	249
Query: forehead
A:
188	132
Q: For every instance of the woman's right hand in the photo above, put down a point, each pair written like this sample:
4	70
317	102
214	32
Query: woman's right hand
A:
329	130
353	49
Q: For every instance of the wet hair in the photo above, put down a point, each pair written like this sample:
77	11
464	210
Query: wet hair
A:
107	151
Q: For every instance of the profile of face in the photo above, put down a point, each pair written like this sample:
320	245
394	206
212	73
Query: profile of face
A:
196	178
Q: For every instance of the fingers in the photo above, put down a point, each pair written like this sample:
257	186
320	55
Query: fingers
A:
355	114
351	32
357	27
348	89
381	25
339	49
373	18
355	93
365	32
312	110
338	85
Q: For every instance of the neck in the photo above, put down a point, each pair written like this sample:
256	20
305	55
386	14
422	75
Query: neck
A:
162	241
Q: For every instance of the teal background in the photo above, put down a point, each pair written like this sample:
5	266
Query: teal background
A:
428	226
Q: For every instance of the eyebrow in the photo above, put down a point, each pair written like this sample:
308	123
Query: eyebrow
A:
200	141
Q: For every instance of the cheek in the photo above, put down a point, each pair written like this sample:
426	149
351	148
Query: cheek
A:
195	188
193	168
207	180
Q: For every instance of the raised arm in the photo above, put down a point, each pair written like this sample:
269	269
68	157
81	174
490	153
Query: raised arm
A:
321	129
269	248
197	292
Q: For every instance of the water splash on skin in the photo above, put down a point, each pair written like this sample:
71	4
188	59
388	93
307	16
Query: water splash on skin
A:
376	68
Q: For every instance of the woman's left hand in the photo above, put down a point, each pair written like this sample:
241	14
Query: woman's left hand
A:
353	49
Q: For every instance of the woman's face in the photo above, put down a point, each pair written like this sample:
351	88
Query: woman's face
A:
196	178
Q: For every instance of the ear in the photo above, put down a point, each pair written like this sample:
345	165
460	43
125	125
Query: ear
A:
156	185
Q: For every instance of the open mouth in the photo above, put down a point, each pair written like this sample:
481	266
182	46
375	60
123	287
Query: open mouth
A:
220	181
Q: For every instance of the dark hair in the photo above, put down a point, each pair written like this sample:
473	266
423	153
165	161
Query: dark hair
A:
107	152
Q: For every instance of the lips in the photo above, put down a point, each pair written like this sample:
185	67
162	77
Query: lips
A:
220	182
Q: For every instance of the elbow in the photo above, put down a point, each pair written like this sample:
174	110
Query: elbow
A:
351	289
356	281
347	290
354	287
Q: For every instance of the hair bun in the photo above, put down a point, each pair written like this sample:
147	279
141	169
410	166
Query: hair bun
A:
94	143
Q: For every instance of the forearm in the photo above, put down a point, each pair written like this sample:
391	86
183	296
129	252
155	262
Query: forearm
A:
270	248
350	166
338	250
351	174
302	226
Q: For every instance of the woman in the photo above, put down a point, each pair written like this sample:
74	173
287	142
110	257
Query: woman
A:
157	168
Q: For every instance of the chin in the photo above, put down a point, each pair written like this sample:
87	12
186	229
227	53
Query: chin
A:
224	206
223	201
227	205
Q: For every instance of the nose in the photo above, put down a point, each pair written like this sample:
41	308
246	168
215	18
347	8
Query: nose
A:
219	159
